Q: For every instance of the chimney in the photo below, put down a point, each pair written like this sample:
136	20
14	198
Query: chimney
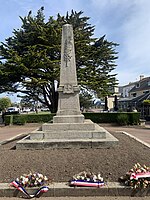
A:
141	77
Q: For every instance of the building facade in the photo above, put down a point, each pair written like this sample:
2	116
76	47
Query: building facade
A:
134	95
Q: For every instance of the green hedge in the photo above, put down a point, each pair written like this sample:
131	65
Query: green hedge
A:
28	118
122	118
126	118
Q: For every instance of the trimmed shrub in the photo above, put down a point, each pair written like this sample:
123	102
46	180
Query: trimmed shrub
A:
123	119
110	117
101	117
39	118
8	119
28	118
19	120
134	118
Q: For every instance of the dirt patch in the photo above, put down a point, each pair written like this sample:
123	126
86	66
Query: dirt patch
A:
62	164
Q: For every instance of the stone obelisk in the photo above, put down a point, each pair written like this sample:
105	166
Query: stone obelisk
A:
68	103
69	129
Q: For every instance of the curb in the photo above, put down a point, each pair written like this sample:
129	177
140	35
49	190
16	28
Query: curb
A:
19	136
63	190
135	138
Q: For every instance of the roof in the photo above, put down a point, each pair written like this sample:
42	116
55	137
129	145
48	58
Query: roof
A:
140	98
143	85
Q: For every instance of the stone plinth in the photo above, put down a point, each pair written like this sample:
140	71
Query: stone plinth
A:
89	141
68	135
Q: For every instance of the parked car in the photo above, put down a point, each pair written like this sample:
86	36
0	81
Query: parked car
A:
26	110
44	109
12	110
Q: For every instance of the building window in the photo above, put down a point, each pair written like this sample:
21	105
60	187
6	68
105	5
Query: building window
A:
148	83
134	94
147	91
137	85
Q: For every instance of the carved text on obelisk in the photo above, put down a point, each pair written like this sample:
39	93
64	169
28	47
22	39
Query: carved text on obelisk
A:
68	88
67	51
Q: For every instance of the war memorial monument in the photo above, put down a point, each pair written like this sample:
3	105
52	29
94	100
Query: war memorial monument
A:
69	128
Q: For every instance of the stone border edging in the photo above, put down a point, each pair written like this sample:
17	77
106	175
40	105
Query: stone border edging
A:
62	190
144	143
13	138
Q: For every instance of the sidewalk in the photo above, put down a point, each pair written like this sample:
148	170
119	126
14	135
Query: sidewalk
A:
140	132
9	132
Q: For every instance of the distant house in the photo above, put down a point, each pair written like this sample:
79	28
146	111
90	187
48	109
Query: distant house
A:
141	87
135	95
124	90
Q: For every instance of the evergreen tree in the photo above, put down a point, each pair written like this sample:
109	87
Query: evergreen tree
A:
31	58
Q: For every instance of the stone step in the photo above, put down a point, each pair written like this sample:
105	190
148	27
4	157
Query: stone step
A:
68	119
74	135
67	134
66	143
69	131
87	125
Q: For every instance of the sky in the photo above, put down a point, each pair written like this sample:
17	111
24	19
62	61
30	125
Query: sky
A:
126	22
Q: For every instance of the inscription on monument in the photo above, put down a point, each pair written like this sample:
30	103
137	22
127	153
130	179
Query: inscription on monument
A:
68	45
68	88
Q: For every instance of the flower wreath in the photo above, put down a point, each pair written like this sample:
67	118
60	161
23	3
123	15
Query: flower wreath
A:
31	180
88	179
138	177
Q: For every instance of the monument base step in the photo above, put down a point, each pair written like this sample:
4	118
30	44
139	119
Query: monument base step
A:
68	131
84	143
68	119
86	125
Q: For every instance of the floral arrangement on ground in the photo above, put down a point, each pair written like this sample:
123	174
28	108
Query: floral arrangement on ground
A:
32	180
87	178
138	177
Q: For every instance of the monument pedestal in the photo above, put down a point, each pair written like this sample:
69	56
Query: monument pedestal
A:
69	129
68	119
68	135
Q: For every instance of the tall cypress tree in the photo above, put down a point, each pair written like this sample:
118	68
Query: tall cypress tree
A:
31	57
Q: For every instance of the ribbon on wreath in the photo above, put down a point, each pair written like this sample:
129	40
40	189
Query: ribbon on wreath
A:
38	193
84	183
136	176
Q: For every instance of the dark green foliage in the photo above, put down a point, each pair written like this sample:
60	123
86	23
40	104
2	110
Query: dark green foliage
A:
134	118
31	58
36	118
118	118
86	100
19	120
124	118
28	118
8	119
